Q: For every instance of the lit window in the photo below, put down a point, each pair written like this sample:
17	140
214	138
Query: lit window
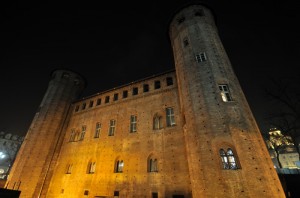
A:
125	94
157	84
228	159
91	167
133	123
69	168
83	130
157	122
119	166
169	81
116	96
146	87
91	103
201	57
135	91
152	165
112	127
98	130
72	136
170	117
226	97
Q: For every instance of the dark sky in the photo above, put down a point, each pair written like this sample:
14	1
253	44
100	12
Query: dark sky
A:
115	43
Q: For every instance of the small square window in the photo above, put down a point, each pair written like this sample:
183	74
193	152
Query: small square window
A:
157	84
98	101
116	193
91	103
116	96
201	57
135	91
83	106
86	192
125	94
169	81
154	195
146	87
107	99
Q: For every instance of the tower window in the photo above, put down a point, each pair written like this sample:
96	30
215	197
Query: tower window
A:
201	57
225	94
107	99
98	101
116	96
169	81
180	19
98	130
125	94
69	169
91	167
116	193
199	12
135	91
145	87
152	165
133	123
170	117
112	127
119	166
185	42
228	159
157	84
86	192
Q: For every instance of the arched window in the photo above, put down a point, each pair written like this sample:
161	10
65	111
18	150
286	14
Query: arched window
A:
152	164
119	166
228	159
157	122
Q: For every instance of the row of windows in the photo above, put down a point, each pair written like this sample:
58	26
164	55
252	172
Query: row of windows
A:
157	124
135	91
228	160
117	194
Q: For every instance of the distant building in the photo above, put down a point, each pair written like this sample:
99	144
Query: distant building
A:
9	146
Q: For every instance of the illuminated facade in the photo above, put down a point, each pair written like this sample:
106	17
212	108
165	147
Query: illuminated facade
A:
183	133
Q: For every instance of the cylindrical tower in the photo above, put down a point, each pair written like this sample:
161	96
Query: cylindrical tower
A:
226	153
32	167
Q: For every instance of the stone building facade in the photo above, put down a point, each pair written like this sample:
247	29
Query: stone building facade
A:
182	133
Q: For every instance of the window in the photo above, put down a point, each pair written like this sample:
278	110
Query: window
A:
135	91
146	87
83	106
72	136
116	194
98	101
69	168
125	94
116	96
107	99
157	122
154	195
91	167
180	19
91	103
133	123
170	117
226	97
152	165
86	192
76	108
228	159
169	81
157	84
83	129
185	42
201	57
119	166
112	127
98	130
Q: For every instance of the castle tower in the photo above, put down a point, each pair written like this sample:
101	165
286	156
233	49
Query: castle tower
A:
32	168
225	150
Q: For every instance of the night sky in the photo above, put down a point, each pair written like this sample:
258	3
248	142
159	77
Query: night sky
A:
115	43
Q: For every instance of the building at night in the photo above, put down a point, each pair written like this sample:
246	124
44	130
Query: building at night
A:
183	133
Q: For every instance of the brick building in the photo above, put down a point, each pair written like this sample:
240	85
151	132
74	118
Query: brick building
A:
182	133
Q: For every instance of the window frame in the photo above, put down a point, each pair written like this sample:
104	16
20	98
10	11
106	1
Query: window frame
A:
133	124
170	117
112	127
